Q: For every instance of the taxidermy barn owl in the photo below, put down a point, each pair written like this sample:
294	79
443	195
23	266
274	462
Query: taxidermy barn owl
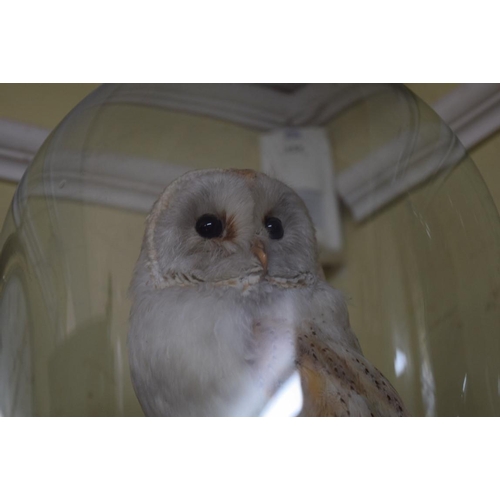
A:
228	300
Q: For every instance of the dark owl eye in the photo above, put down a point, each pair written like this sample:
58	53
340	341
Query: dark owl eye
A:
274	228
209	226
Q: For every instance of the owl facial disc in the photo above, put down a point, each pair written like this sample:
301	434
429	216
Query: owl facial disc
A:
228	228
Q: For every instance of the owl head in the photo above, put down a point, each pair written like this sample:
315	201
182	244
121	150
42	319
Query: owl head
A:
228	227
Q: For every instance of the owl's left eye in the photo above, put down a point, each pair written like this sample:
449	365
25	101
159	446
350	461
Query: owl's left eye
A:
274	228
209	226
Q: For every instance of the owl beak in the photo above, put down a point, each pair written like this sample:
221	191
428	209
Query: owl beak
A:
260	252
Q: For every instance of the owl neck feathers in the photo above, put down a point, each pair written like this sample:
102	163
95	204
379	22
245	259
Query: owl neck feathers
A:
244	283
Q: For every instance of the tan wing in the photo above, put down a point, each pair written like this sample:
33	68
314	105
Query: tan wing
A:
337	381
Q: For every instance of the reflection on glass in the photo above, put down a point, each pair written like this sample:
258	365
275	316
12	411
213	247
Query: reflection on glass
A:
399	363
287	402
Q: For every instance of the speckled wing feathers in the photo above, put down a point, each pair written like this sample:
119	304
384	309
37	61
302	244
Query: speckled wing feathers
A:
338	381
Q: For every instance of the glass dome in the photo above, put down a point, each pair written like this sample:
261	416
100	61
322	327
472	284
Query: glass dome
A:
414	245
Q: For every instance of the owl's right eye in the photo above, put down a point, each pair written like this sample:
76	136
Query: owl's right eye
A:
209	226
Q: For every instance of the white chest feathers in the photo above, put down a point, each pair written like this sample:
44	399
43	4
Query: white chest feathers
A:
195	354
